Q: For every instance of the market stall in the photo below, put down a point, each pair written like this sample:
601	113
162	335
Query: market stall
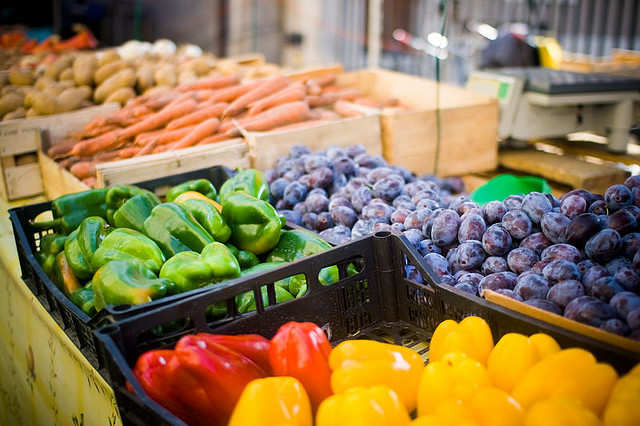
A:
221	240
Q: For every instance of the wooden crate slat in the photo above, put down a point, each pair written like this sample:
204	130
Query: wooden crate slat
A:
57	181
23	181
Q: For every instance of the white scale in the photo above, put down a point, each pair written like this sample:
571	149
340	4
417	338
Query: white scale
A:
540	103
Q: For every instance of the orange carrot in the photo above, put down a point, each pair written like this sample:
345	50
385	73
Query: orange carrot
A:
83	169
70	161
325	81
160	100
213	139
128	152
169	136
211	82
162	148
228	94
61	149
147	149
346	109
323	114
275	117
203	95
142	138
228	123
368	102
97	131
127	112
300	125
180	99
266	88
159	119
211	111
103	142
288	94
201	131
91	181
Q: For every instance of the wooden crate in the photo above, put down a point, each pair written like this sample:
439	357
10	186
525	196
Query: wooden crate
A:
21	139
57	181
468	122
266	147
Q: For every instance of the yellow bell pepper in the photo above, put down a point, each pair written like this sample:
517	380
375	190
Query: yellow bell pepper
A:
491	406
357	363
571	373
471	336
623	408
560	411
273	401
514	355
372	406
455	377
193	195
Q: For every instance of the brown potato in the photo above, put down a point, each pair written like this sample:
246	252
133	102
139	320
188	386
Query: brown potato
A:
31	113
20	112
70	99
44	104
66	75
84	67
43	82
10	102
123	78
107	70
107	57
144	76
122	95
21	77
59	65
165	75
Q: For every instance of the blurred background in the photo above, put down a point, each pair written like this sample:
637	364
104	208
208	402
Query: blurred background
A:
306	32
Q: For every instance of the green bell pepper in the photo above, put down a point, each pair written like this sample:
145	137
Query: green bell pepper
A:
246	259
135	211
128	244
203	186
250	181
209	217
299	243
65	278
175	230
71	209
246	301
255	224
117	195
83	242
121	282
50	246
189	270
83	298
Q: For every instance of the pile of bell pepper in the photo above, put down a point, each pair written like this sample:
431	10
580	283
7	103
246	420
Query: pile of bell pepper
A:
297	377
122	246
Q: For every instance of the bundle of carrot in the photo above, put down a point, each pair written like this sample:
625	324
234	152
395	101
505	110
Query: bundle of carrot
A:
209	110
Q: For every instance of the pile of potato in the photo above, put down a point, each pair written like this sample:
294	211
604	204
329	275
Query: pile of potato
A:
80	79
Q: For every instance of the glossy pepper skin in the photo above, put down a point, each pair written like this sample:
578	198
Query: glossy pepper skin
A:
249	181
357	363
301	350
255	224
128	244
83	242
189	270
71	209
83	298
623	408
203	186
193	195
121	282
155	376
471	336
175	230
65	277
208	216
299	243
253	346
50	246
219	375
273	401
134	211
117	196
246	259
363	406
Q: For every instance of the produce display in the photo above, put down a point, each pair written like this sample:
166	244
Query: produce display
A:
122	245
577	256
61	82
297	377
202	112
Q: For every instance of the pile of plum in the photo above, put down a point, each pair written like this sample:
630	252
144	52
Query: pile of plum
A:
577	256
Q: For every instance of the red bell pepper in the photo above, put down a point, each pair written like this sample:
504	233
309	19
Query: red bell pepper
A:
301	350
253	346
210	377
153	373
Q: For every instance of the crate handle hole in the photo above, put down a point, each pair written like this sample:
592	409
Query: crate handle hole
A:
382	234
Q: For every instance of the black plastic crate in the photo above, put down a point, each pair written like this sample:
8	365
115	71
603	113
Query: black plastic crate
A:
376	303
78	325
